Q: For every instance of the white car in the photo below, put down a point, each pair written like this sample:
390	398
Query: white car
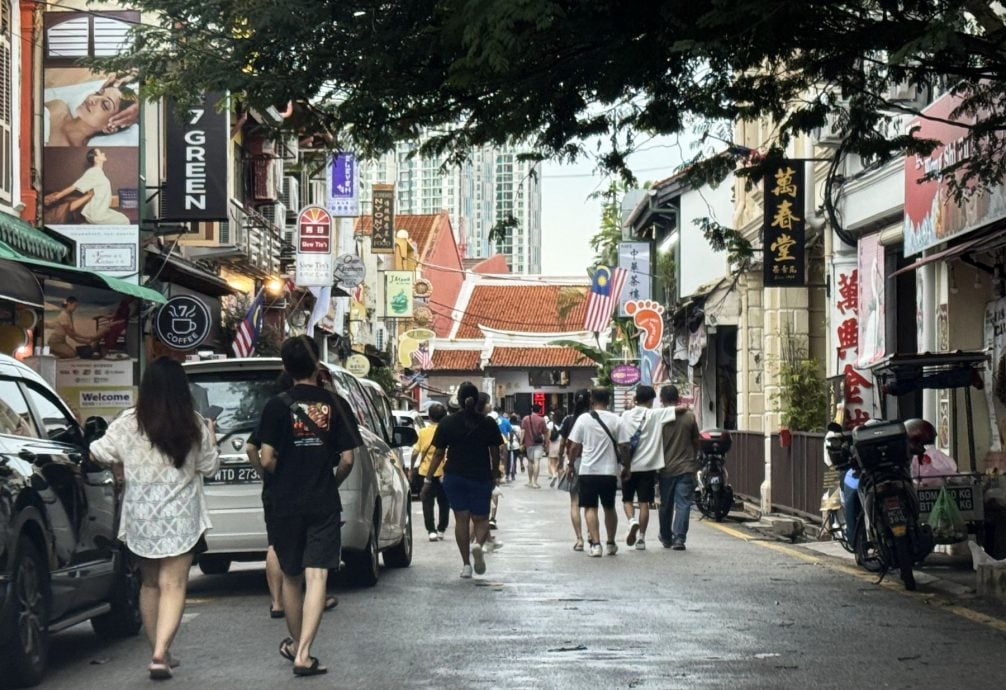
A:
414	420
376	502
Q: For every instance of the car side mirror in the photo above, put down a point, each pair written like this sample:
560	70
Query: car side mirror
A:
94	428
404	436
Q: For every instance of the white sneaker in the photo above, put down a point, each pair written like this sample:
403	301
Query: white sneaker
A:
433	536
633	531
440	536
641	544
466	572
611	549
478	555
595	551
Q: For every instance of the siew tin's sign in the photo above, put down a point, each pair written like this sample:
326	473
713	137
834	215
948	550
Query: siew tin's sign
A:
196	145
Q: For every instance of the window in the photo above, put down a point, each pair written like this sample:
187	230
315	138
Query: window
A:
7	92
15	420
51	416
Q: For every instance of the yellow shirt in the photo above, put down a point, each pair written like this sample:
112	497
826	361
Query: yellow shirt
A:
424	451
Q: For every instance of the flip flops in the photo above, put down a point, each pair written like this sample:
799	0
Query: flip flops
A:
331	602
273	613
159	671
285	650
315	669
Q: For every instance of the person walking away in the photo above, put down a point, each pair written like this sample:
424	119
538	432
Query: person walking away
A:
424	450
535	439
677	478
554	426
514	447
485	406
305	436
645	425
594	440
165	449
470	441
506	429
581	404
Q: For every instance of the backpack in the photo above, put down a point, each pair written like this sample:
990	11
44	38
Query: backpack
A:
554	436
637	434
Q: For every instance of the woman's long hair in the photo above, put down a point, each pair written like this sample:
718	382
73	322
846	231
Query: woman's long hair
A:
581	402
165	412
468	397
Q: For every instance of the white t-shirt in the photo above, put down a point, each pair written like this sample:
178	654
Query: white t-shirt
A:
650	423
599	456
98	210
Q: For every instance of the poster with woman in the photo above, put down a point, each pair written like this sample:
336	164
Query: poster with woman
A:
872	319
91	154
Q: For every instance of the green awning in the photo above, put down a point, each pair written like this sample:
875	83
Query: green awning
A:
25	237
82	275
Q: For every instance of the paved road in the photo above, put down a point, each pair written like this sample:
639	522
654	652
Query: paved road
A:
729	612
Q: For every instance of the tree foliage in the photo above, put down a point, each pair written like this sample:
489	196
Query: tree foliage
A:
555	74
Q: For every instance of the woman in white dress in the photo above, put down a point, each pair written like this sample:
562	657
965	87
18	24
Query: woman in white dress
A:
165	450
96	189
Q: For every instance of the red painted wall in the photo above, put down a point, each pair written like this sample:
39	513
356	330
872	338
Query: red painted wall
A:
446	281
29	197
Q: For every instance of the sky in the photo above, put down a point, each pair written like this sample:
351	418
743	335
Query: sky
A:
569	218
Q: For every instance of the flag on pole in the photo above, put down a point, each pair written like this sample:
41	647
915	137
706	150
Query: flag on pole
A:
250	327
604	292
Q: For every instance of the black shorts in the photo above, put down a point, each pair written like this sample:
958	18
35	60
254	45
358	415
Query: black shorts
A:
594	488
641	485
313	540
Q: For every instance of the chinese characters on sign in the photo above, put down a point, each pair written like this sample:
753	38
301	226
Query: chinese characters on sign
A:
315	262
342	199
783	236
634	257
382	236
856	392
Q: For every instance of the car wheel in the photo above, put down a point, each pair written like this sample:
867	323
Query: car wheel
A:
214	565
363	567
26	618
400	555
124	618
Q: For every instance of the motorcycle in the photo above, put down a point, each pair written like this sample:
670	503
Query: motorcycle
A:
714	496
888	535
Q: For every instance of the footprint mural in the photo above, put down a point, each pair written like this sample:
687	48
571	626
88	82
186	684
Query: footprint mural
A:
648	316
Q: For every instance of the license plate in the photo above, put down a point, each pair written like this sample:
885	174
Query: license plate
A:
234	474
895	514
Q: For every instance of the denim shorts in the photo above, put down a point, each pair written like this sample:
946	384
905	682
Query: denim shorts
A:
468	495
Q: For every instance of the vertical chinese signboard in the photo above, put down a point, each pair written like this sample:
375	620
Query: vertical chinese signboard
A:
382	236
783	238
91	141
634	258
342	196
315	261
856	392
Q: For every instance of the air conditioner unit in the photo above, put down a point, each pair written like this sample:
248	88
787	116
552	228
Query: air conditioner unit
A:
279	216
293	149
831	133
317	193
291	194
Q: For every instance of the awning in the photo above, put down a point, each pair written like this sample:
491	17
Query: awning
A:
83	276
948	253
20	285
25	237
177	270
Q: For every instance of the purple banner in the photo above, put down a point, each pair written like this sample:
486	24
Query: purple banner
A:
343	199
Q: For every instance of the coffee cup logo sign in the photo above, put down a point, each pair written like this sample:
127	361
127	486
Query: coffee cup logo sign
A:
183	323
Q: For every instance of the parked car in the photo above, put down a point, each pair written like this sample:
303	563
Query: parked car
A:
376	505
60	562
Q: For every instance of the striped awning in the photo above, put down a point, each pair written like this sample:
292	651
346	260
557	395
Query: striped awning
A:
29	240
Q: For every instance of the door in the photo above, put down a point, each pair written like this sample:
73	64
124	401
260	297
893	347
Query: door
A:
84	492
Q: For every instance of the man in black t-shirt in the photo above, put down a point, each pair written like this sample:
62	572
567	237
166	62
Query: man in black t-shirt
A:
304	438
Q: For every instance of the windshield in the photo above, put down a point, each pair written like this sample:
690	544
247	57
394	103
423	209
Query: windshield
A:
240	395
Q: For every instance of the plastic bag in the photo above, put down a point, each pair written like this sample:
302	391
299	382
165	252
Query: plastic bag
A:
946	521
934	466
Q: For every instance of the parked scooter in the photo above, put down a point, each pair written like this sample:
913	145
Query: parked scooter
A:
890	532
714	496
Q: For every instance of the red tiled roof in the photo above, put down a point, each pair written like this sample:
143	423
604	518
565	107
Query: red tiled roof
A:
494	264
419	226
456	360
523	307
525	357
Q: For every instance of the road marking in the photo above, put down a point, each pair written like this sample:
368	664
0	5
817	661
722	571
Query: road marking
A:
828	562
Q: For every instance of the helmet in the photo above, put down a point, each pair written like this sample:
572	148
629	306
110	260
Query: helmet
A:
920	433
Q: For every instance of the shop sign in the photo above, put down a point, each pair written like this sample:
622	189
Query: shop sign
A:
866	332
358	365
932	216
349	270
783	236
382	234
196	159
398	296
625	375
856	389
183	323
634	258
314	261
342	199
995	375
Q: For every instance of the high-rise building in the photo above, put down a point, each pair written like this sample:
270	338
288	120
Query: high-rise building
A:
493	184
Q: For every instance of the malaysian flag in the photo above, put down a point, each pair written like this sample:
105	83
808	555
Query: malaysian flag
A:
250	327
660	372
423	358
604	292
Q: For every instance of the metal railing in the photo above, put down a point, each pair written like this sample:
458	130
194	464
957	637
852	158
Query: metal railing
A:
797	471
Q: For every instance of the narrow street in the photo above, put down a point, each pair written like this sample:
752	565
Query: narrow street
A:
727	612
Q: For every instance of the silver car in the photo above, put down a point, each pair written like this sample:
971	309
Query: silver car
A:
376	505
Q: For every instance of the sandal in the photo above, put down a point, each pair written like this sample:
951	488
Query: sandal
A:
331	602
578	546
285	649
159	670
273	613
313	670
